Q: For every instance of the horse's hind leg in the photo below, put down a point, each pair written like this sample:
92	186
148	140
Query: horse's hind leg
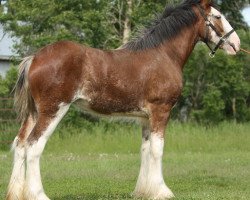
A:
46	124
16	185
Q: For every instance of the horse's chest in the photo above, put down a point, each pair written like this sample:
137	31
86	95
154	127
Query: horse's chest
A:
165	88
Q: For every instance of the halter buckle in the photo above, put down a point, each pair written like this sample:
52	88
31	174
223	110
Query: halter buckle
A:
223	39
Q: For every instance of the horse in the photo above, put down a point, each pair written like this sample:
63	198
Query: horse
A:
141	80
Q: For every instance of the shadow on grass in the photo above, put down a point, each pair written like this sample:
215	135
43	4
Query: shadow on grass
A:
92	196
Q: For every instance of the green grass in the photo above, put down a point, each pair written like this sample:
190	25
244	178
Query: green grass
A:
198	163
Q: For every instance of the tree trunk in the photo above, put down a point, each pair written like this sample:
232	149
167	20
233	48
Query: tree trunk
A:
127	22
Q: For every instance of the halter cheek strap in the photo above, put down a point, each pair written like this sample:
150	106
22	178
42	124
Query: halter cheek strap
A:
223	39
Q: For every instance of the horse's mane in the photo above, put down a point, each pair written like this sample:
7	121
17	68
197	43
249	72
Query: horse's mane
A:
165	26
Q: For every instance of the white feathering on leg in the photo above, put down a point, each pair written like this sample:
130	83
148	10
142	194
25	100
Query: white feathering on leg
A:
150	183
16	184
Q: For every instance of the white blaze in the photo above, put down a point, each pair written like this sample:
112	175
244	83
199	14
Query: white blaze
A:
233	38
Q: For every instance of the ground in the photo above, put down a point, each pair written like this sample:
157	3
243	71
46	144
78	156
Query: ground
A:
198	163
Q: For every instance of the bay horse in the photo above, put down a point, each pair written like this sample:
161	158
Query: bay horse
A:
142	80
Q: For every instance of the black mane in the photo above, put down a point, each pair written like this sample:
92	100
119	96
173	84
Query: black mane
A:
166	26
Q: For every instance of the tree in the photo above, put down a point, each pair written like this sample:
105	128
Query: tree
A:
40	22
100	24
1	6
126	17
127	22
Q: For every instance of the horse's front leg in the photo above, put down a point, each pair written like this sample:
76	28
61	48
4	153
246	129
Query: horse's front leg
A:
150	183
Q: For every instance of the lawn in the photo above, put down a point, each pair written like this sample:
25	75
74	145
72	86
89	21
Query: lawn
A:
198	163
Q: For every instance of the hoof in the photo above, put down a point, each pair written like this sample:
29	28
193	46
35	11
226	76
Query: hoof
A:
12	196
35	197
155	193
163	193
15	192
29	195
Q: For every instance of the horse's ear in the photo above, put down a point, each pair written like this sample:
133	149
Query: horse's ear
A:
206	3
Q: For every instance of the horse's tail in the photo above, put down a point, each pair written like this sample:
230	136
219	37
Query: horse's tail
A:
23	101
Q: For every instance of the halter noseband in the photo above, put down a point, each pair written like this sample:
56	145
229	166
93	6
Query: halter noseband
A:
223	38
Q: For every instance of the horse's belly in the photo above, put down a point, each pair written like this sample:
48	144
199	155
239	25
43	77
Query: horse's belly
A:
137	115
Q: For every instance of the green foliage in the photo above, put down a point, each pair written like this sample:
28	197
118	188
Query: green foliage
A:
8	82
76	119
3	87
8	125
213	106
38	23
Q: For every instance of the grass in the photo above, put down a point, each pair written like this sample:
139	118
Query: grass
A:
198	163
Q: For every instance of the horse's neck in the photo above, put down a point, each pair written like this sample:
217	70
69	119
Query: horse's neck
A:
180	48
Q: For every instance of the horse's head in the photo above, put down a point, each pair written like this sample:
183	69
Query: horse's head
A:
216	30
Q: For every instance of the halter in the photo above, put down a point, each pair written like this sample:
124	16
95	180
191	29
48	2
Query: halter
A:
223	38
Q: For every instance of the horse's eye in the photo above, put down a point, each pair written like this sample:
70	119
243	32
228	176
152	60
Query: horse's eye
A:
217	16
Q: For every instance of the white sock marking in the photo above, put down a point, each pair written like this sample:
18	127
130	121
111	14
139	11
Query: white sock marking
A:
150	183
34	188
